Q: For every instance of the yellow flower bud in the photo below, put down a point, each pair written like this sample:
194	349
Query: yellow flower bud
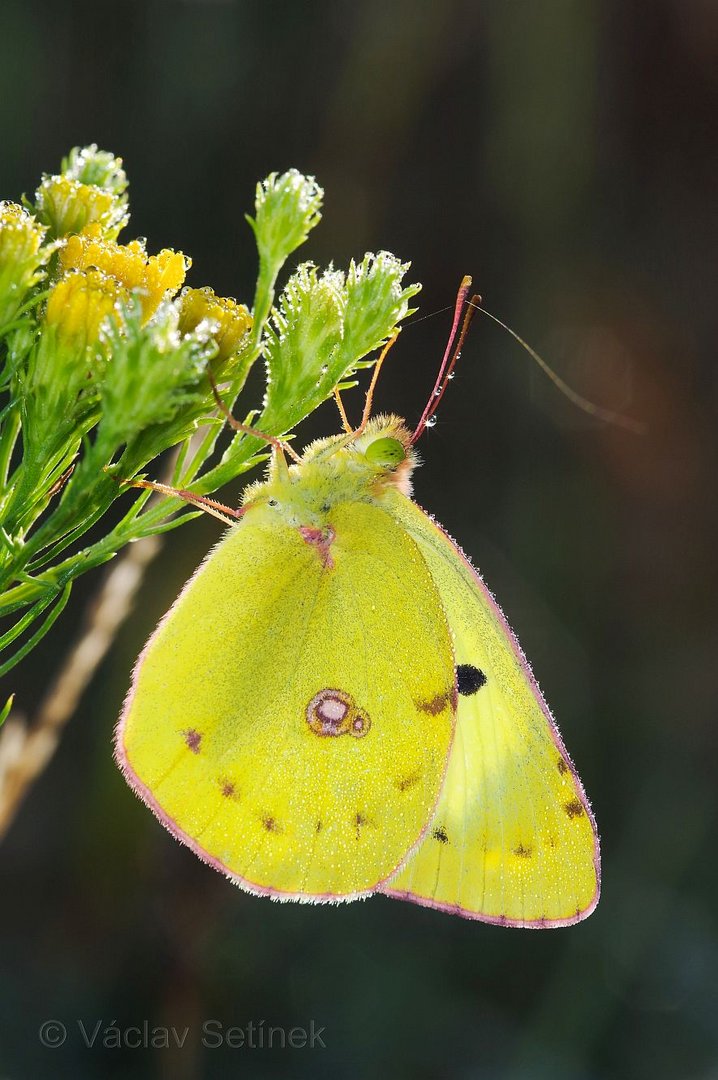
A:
20	236
79	304
232	320
153	276
22	256
67	206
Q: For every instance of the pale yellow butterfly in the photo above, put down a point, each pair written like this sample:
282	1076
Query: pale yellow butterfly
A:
336	706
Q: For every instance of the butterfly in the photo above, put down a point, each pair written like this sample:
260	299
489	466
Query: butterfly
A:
335	705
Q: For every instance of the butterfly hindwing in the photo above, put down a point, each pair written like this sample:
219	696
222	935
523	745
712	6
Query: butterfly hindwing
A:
513	839
291	718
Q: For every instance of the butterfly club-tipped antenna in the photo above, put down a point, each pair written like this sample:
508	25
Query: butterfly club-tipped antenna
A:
452	352
599	412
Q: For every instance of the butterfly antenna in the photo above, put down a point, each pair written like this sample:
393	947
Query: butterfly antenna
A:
608	415
451	354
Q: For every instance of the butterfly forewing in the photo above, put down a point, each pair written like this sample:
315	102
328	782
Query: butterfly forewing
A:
291	717
513	839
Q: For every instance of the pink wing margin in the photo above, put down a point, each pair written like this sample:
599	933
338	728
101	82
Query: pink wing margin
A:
455	909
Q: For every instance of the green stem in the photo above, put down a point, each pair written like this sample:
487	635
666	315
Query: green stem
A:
39	633
8	438
263	298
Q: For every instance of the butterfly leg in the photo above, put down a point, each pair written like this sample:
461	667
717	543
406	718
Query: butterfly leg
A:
279	445
374	379
217	509
342	412
351	433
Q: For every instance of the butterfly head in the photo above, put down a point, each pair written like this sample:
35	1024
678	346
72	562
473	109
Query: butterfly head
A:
384	449
379	457
342	468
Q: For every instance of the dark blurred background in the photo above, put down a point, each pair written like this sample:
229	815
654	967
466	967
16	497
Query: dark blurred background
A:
564	152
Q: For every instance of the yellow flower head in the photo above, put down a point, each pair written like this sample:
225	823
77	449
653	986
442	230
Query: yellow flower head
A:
20	237
67	206
232	320
79	304
22	257
153	276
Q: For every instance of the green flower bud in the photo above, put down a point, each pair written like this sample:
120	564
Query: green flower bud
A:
96	167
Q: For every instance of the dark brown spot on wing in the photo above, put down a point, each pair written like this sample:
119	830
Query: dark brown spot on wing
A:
192	738
438	703
270	824
523	852
574	808
359	822
441	835
562	766
318	827
228	789
406	782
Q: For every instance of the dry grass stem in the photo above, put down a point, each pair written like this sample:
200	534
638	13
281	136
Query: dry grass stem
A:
27	748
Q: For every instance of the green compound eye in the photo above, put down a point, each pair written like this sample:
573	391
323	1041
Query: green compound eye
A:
387	452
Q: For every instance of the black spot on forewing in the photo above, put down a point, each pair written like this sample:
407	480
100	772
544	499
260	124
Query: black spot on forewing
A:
441	835
469	679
